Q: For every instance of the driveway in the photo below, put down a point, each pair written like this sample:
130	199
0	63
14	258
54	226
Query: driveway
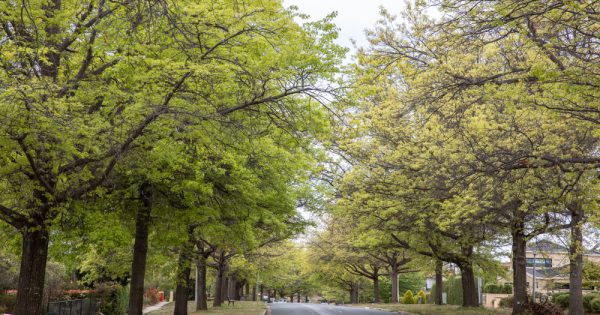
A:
321	309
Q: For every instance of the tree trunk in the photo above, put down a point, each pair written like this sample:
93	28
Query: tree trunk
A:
201	303
298	298
225	289
262	292
376	294
233	285
140	249
183	279
439	289
351	293
576	261
254	293
519	268
247	292
218	287
468	285
30	290
292	298
394	280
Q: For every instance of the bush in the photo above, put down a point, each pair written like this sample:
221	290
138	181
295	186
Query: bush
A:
587	299
421	295
408	297
114	298
561	299
506	302
151	296
495	288
121	300
7	303
595	305
543	309
453	289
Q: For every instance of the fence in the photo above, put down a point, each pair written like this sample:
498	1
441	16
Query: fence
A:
73	307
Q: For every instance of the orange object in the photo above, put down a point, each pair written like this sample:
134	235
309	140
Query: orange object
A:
161	296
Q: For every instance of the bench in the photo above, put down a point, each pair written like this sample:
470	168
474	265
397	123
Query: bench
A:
230	301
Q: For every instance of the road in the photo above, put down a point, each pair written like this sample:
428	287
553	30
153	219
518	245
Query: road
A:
320	309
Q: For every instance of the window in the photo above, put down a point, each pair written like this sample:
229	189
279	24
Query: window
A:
539	262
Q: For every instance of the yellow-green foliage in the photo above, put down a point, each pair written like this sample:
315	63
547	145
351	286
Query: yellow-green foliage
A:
408	297
423	297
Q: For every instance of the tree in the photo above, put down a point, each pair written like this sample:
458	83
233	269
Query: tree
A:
84	81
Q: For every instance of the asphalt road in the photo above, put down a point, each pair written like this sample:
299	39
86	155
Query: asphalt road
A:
320	309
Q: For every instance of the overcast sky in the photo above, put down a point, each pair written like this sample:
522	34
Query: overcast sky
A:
354	16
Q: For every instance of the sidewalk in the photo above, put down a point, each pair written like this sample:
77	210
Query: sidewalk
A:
154	307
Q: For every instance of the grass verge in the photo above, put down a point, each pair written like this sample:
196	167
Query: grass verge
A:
240	308
430	309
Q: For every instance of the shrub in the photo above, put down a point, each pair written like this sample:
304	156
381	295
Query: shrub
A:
543	309
408	297
121	300
595	304
151	296
421	295
561	299
453	289
587	299
495	288
506	302
7	303
492	288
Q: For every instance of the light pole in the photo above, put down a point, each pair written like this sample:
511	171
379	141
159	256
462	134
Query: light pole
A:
257	284
533	286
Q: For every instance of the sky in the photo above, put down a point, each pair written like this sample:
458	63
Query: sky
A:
354	16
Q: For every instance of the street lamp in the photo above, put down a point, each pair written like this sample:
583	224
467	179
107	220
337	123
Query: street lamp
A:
533	286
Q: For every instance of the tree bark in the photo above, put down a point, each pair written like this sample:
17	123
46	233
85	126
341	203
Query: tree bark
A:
225	288
201	303
351	293
439	289
519	244
262	292
376	292
468	285
254	293
298	298
30	290
183	279
576	261
217	300
140	249
394	280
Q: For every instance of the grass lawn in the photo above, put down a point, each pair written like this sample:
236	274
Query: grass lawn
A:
430	309
240	308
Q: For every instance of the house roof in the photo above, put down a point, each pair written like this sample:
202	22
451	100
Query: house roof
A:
558	272
546	246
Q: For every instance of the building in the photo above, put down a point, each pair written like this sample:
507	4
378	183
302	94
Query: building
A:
551	265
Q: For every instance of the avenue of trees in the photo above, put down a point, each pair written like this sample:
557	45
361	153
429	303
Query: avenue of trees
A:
470	133
180	127
178	143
